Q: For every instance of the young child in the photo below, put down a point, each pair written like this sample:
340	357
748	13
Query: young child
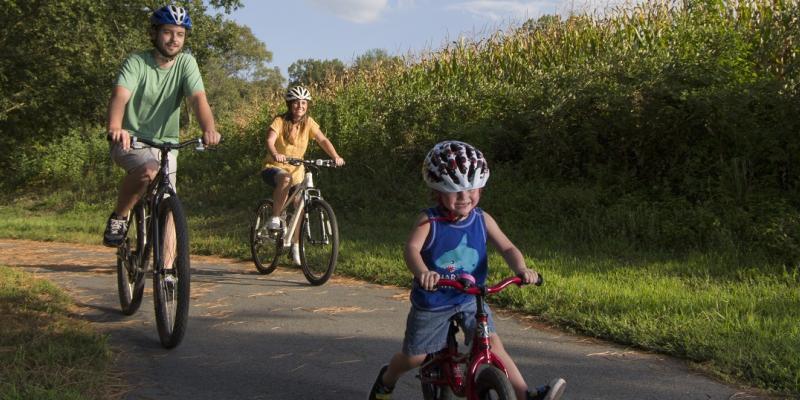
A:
288	136
455	227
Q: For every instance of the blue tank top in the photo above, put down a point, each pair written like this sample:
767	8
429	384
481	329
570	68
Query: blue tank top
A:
452	248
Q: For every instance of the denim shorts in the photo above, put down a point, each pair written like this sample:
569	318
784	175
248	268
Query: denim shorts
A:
426	331
268	175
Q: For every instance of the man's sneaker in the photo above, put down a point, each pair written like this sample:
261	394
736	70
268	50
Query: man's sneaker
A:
116	229
552	391
380	391
296	254
274	224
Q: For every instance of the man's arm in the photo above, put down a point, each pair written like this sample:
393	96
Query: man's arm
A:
116	111
205	118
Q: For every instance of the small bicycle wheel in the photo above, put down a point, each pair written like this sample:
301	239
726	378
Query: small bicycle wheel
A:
493	384
131	263
171	279
319	242
265	246
432	391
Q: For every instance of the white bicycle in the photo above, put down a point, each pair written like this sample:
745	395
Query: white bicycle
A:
305	209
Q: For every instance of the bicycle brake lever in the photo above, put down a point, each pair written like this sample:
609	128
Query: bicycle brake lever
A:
135	143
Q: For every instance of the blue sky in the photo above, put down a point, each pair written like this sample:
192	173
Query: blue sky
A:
345	29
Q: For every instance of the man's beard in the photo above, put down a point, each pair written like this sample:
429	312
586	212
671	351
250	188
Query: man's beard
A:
162	49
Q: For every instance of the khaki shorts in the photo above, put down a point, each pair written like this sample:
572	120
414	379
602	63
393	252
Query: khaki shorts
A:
135	158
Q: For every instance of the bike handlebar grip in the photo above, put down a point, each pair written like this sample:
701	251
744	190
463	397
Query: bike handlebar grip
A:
540	281
466	279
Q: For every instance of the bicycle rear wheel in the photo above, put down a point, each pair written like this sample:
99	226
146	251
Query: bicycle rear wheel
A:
265	246
319	242
132	262
493	384
171	279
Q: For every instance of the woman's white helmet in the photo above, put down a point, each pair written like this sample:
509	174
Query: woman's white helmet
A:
453	166
298	93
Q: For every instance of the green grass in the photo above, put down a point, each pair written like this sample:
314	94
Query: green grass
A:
44	353
735	319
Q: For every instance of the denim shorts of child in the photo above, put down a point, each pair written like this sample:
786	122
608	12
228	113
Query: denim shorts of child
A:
426	331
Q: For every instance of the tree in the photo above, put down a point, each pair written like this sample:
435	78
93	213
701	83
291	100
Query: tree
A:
60	58
375	58
310	71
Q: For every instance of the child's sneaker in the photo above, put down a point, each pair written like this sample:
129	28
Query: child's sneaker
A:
380	391
552	391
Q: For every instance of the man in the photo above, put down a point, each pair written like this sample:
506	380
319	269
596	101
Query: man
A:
145	102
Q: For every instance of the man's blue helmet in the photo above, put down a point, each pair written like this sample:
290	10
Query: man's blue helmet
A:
172	15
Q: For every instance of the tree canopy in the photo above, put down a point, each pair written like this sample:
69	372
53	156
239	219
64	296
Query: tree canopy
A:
60	59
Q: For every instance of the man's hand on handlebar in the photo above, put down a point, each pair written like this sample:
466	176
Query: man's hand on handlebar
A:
119	136
211	137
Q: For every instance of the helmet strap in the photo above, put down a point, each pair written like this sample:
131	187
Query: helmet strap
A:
448	215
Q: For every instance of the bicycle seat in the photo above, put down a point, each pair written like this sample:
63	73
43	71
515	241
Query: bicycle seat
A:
458	317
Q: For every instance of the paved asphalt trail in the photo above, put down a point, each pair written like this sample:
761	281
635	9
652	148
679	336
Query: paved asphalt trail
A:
275	337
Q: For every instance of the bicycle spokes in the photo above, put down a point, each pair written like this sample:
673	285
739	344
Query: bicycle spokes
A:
319	243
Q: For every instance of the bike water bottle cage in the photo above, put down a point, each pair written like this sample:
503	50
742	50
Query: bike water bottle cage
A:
172	15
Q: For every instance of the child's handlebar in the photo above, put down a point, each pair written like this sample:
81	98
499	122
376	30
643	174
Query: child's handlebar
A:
467	285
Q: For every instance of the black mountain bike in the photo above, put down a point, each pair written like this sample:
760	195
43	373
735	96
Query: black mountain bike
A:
305	209
153	216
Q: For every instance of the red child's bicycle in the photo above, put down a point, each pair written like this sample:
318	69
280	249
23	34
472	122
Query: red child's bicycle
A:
479	374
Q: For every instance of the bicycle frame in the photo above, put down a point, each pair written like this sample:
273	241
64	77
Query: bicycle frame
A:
449	359
302	195
156	190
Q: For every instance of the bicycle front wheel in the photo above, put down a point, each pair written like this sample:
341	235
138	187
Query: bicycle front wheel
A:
264	245
319	242
493	384
132	263
171	279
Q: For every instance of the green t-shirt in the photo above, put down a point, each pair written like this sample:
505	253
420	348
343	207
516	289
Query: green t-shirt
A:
153	110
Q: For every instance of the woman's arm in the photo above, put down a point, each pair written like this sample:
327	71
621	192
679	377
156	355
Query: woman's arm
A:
327	146
272	136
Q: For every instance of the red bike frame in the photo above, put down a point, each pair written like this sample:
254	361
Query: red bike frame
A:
448	359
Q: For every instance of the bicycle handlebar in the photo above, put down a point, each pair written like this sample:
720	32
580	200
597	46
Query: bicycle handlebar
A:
168	146
135	140
469	288
316	163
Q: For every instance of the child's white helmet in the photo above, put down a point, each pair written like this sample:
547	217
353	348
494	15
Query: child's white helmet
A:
453	166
